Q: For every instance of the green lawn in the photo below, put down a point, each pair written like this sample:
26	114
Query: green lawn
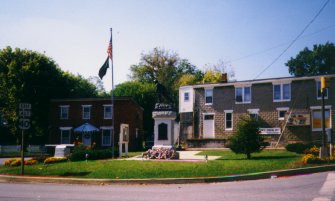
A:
228	164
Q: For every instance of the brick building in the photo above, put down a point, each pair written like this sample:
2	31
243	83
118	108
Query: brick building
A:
288	108
68	114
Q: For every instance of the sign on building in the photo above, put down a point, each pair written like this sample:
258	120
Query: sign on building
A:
270	131
298	119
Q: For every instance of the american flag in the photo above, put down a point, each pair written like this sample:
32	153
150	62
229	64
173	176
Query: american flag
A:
110	49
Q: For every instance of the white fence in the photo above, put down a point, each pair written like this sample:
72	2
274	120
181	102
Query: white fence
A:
17	149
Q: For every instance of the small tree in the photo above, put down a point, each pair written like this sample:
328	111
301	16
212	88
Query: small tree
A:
247	139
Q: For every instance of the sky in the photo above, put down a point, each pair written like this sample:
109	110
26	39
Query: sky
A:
246	35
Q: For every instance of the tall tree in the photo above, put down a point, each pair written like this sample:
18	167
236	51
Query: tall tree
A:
144	94
27	76
165	67
319	61
214	72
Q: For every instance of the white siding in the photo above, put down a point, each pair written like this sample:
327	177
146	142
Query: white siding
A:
186	106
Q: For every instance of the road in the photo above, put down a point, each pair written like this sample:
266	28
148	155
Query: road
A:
313	187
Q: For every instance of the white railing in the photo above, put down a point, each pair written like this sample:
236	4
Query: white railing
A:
10	148
17	149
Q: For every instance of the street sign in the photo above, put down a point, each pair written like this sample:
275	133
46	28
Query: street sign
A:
25	106
24	114
24	124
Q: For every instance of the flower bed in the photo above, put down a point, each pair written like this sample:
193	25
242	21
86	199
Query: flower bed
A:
312	157
54	160
17	161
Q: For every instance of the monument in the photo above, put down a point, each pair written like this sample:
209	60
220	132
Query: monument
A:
164	117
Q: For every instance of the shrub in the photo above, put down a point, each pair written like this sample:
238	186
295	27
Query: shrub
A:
80	154
17	161
247	139
299	147
54	160
30	162
312	159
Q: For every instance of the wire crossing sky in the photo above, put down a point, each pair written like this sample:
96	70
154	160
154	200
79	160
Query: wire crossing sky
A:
246	35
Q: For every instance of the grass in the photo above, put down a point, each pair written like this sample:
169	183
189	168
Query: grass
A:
228	164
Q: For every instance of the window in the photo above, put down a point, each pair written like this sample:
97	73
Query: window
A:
253	113
243	94
186	96
64	112
86	111
318	90
317	119
65	136
106	137
282	112
281	92
108	112
209	96
228	120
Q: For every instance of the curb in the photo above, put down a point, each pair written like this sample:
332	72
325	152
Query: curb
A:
251	176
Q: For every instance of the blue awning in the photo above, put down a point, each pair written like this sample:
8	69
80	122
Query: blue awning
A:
86	127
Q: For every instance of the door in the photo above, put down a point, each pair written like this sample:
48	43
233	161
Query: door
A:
208	126
87	139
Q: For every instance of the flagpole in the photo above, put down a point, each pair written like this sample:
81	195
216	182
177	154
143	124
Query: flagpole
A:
113	119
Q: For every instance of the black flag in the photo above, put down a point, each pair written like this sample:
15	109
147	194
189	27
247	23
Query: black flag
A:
103	69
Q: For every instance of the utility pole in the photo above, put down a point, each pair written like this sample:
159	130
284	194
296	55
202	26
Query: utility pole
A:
324	86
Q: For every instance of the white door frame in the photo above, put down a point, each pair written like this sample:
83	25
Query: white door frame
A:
204	128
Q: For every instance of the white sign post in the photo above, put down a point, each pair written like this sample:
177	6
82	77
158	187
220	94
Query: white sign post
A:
24	124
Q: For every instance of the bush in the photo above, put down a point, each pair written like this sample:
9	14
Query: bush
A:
247	139
311	159
17	161
80	154
299	147
54	160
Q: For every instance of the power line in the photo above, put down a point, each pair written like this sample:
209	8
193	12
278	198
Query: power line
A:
276	46
296	38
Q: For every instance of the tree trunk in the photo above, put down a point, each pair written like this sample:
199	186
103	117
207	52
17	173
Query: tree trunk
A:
248	155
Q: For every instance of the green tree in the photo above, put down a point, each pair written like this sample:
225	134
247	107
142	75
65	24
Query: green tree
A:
144	95
214	72
319	61
27	76
165	67
247	139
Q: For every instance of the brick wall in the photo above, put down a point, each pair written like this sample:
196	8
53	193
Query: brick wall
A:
303	96
125	111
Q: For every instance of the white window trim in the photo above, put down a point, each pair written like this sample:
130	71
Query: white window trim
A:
102	136
110	105
64	106
243	89
61	133
320	107
86	106
316	85
212	95
281	92
279	109
188	96
327	107
232	120
254	111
